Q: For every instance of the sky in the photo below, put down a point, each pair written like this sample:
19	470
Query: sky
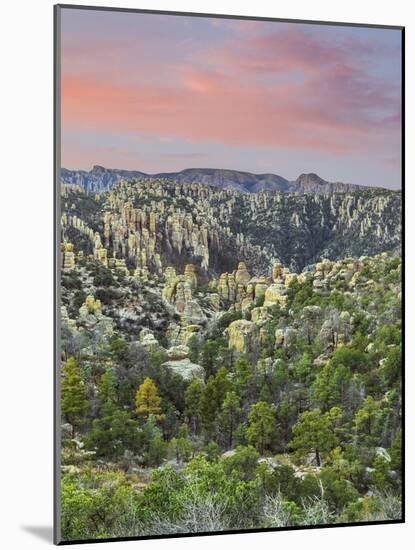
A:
160	93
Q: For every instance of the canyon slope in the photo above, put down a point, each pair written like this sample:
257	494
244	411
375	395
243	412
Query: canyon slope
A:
154	223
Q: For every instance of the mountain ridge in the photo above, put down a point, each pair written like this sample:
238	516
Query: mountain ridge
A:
100	179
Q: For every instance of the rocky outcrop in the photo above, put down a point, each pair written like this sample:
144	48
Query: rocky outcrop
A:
336	329
190	276
155	222
91	305
186	369
148	341
276	293
178	292
243	336
285	337
242	275
91	318
177	353
68	256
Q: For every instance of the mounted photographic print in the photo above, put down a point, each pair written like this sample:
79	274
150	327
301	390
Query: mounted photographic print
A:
228	274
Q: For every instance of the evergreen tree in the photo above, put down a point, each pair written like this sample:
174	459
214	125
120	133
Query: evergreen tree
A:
243	376
74	404
367	427
222	386
157	450
209	356
230	415
313	433
181	445
261	425
286	417
395	452
106	387
208	408
192	398
330	387
194	348
147	399
113	433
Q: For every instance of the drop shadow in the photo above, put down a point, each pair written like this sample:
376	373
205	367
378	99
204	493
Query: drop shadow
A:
43	532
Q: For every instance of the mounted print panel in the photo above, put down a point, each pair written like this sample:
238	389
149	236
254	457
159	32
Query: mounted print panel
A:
229	269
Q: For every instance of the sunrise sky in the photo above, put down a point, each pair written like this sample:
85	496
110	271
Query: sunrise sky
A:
162	93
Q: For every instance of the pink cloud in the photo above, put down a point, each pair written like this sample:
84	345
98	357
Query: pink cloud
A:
329	108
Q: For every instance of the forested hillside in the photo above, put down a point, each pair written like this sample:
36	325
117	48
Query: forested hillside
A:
229	361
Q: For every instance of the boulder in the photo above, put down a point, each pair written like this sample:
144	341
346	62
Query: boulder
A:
228	454
214	301
176	353
186	369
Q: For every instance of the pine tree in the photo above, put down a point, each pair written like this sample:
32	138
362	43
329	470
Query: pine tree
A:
207	408
222	386
209	355
314	432
366	422
286	412
147	399
230	415
74	404
243	376
106	387
261	425
181	445
157	450
192	398
113	432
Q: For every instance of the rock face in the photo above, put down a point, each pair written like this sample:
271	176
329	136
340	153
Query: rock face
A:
336	330
276	293
186	369
201	231
243	336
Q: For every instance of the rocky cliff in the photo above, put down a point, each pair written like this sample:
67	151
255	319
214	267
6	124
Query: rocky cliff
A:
145	225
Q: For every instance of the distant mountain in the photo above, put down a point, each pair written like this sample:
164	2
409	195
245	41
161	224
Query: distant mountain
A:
230	179
97	179
312	183
102	179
